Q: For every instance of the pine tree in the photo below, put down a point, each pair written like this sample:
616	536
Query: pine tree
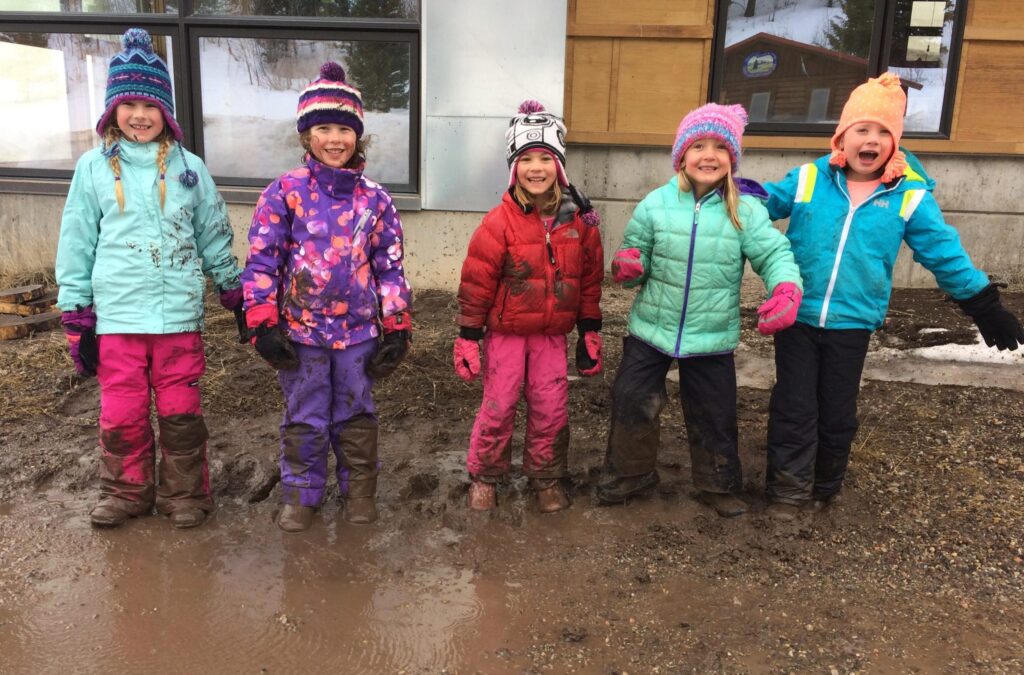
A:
850	33
380	69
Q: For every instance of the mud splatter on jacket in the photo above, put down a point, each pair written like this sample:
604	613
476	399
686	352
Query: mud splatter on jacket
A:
142	269
514	282
326	250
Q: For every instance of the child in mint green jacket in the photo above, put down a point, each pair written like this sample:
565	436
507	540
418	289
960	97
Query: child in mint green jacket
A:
143	224
687	244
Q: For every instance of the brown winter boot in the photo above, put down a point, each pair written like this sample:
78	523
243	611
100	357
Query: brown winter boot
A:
107	513
295	518
782	512
551	495
361	505
725	504
183	488
482	496
357	457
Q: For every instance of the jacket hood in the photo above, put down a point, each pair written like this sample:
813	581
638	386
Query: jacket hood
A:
751	187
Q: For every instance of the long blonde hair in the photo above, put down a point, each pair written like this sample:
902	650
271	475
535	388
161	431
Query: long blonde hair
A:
549	207
113	135
730	195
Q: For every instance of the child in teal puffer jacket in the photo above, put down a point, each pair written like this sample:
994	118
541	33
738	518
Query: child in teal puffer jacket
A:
687	244
142	225
848	214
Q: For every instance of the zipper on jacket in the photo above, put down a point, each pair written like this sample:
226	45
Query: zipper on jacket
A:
842	244
689	271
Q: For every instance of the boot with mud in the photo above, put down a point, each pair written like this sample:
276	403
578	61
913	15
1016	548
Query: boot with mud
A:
356	447
295	518
621	489
782	512
551	496
725	504
819	504
482	495
109	513
183	490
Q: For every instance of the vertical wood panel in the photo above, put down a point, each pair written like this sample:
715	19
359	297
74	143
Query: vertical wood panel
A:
1001	14
591	87
990	92
656	12
659	82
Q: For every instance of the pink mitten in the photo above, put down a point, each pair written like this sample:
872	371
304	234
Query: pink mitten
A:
467	358
779	311
588	354
626	265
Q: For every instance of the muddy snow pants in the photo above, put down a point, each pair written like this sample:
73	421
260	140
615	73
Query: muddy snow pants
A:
813	411
707	389
328	405
537	366
171	365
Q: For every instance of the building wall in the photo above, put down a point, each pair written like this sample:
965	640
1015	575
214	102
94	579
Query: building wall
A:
989	213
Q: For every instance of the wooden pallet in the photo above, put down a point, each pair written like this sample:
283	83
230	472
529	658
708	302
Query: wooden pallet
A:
13	326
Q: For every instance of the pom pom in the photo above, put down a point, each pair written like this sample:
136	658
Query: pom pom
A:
189	178
889	80
591	218
530	106
332	71
137	38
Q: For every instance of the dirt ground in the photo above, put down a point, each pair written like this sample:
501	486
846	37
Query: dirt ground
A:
918	568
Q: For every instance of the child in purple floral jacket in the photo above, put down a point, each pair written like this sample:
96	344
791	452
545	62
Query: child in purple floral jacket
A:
328	302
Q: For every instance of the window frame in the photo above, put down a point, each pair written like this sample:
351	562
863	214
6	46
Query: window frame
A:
184	30
880	53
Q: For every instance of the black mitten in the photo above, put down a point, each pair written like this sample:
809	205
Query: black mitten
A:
998	326
275	347
390	353
243	328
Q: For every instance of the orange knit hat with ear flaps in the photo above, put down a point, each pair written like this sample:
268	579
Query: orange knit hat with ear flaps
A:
882	100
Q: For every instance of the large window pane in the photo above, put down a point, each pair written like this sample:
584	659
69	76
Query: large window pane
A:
250	89
373	9
98	6
796	61
54	85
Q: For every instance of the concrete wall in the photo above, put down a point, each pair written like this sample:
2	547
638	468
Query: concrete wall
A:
988	212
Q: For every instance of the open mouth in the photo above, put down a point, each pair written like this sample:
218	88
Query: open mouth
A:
868	156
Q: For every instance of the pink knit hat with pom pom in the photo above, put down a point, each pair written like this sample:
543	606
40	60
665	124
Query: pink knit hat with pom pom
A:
881	100
330	100
722	122
533	128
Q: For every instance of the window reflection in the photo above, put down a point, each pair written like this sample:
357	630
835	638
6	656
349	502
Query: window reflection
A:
250	89
373	9
54	85
94	6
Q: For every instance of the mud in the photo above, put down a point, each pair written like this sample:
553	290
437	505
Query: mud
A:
917	569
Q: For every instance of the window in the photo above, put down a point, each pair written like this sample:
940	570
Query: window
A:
808	55
236	79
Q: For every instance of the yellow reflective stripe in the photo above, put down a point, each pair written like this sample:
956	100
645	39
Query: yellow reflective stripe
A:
911	198
913	175
805	184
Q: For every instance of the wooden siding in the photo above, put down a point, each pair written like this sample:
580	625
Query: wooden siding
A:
634	69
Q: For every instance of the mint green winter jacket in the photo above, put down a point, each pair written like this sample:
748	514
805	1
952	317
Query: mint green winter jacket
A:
142	270
693	259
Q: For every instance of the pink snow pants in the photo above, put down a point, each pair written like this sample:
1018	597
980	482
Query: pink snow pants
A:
537	365
129	365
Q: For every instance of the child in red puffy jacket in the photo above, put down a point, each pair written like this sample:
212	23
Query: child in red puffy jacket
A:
533	270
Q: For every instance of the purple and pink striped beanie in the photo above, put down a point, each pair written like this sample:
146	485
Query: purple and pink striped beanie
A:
330	100
723	122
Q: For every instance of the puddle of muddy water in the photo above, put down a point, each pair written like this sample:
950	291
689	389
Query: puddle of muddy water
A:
239	596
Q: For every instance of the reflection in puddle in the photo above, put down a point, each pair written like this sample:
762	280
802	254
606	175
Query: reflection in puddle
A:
239	596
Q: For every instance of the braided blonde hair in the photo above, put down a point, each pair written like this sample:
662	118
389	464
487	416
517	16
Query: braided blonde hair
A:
113	135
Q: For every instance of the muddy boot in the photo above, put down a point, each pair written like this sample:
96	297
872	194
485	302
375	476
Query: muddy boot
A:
551	495
108	513
725	504
622	488
482	495
782	512
817	505
184	482
295	518
361	506
356	446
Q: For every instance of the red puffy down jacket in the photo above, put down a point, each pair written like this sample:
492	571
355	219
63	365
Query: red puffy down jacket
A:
514	282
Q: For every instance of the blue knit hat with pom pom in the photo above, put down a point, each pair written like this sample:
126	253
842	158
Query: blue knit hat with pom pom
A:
137	73
330	100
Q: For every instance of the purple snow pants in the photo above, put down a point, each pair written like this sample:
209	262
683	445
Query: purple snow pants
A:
510	362
328	404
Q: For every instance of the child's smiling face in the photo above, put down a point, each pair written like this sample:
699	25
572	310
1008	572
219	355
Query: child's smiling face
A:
706	162
868	146
333	144
140	121
536	172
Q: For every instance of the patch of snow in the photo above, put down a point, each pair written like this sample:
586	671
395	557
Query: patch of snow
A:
978	352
